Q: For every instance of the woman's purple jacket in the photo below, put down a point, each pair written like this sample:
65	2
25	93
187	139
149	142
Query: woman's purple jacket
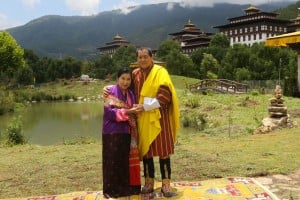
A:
110	124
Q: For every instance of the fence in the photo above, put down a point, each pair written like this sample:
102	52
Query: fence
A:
267	85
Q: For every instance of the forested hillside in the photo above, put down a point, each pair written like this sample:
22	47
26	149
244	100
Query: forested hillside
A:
148	25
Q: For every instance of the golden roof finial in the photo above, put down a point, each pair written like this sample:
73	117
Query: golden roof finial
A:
117	37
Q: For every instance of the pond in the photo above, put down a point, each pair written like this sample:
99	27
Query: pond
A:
53	123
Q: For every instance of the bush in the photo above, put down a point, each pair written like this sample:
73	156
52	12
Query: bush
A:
194	120
192	101
22	96
39	96
255	92
13	134
7	101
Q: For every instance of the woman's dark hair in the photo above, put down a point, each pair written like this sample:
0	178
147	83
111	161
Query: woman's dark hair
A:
149	51
124	70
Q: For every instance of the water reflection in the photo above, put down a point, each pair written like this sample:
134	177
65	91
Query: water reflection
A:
51	123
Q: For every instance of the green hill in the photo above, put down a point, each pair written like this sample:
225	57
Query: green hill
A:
147	25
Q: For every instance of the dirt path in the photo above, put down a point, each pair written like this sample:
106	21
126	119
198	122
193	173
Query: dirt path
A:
285	187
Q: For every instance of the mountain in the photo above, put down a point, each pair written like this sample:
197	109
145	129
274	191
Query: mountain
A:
146	25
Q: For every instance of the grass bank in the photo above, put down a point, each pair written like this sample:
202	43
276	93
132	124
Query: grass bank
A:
38	170
218	143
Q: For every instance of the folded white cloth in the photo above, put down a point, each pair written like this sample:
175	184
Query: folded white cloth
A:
150	103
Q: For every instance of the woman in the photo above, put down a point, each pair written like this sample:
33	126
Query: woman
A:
120	156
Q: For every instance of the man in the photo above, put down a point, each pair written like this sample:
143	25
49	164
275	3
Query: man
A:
157	125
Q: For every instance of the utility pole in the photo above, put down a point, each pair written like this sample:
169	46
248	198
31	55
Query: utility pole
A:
280	60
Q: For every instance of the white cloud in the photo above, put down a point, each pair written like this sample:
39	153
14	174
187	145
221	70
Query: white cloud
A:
30	3
84	7
201	3
170	6
126	6
5	23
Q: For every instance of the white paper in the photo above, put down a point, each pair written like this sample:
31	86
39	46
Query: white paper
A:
150	103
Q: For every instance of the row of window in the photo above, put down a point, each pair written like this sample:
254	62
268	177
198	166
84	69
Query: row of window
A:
251	19
256	29
188	51
109	51
253	37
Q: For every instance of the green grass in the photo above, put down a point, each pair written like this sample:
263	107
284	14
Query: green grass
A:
226	146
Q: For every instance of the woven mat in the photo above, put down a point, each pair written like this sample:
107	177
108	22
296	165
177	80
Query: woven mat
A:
215	189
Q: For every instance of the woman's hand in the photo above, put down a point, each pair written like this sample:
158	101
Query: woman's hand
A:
137	108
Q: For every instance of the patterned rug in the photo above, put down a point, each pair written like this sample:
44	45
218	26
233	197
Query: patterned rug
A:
215	189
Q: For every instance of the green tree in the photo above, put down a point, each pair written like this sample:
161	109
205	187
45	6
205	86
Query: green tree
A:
219	40
242	74
52	66
33	62
166	47
236	57
209	64
197	56
69	67
177	63
25	76
123	57
102	67
11	57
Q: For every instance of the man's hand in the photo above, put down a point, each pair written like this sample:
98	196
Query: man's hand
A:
138	107
105	90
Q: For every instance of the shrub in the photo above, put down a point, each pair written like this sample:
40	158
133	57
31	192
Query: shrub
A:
194	120
7	101
13	134
192	101
254	92
21	96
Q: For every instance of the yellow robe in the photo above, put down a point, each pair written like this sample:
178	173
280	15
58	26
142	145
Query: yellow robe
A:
148	121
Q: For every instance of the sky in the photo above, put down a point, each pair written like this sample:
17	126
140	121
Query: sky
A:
19	12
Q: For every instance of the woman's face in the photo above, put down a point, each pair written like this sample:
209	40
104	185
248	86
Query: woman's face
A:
124	81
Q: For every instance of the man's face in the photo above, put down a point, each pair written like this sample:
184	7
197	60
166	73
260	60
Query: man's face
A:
144	59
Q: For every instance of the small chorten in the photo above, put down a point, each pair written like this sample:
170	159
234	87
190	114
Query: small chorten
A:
277	108
278	117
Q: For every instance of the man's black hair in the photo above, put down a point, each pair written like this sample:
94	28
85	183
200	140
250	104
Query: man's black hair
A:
144	48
